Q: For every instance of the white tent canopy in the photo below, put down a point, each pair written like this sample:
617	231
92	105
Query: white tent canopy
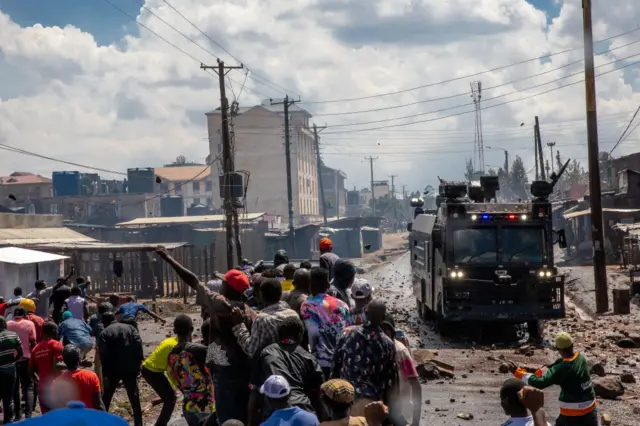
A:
22	267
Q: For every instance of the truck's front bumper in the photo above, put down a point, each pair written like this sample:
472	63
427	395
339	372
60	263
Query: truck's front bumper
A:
528	300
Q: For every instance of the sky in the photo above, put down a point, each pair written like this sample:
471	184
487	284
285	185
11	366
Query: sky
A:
114	84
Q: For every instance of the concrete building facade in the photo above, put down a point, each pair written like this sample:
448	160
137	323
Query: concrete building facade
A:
260	150
194	183
335	194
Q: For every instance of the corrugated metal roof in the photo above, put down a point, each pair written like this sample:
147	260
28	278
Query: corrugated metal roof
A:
98	246
588	211
20	256
150	221
18	237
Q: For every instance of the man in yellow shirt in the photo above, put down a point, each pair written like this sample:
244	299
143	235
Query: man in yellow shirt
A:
154	367
288	273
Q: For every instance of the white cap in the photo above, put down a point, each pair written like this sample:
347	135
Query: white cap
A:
361	289
275	387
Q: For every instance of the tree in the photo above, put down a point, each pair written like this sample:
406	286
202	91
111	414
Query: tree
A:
518	179
469	169
180	159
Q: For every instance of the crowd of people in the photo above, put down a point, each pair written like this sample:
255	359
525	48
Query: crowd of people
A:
284	346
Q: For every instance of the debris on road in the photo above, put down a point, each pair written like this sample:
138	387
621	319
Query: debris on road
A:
608	387
431	368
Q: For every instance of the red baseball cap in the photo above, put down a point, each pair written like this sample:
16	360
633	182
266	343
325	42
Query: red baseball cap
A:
237	280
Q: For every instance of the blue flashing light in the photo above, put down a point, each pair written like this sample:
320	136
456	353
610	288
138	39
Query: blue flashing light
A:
485	216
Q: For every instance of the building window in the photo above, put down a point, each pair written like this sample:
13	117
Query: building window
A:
177	188
209	202
196	201
209	186
53	208
196	187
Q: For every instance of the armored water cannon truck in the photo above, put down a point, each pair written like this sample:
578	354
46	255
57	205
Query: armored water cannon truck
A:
475	260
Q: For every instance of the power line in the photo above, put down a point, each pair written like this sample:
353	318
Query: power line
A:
33	154
178	185
484	108
283	89
469	75
385	120
133	18
625	130
442	98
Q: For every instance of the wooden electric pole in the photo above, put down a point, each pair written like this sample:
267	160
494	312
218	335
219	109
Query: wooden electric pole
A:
323	202
393	200
373	195
597	232
227	157
535	149
539	147
551	145
287	152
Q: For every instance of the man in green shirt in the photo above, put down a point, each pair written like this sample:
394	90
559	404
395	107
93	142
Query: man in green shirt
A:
571	373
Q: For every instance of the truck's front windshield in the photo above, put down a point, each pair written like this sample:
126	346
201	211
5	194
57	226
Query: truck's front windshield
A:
517	245
475	245
522	244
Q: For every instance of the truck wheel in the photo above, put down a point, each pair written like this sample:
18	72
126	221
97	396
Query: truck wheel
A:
443	327
420	307
535	329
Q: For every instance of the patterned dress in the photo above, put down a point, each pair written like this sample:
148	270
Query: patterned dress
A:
186	367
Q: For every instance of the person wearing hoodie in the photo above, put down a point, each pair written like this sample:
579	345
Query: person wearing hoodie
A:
344	274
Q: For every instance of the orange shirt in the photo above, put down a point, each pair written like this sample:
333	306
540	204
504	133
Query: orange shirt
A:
84	384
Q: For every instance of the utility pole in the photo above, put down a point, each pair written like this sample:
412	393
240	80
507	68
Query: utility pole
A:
597	232
393	199
506	162
535	149
234	207
373	195
551	145
319	167
287	152
227	158
539	147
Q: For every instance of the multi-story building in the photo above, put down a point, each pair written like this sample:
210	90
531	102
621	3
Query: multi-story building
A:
20	189
381	188
192	182
259	147
335	194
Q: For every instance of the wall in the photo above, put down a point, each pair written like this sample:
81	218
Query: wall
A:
23	221
259	145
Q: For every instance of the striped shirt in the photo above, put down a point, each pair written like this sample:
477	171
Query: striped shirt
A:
10	348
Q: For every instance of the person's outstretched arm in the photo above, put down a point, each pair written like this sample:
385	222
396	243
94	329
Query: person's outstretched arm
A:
186	275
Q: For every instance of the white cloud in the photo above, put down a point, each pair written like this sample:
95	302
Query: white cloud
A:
142	102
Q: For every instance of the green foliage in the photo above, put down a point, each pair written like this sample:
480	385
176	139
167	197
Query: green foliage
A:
518	180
